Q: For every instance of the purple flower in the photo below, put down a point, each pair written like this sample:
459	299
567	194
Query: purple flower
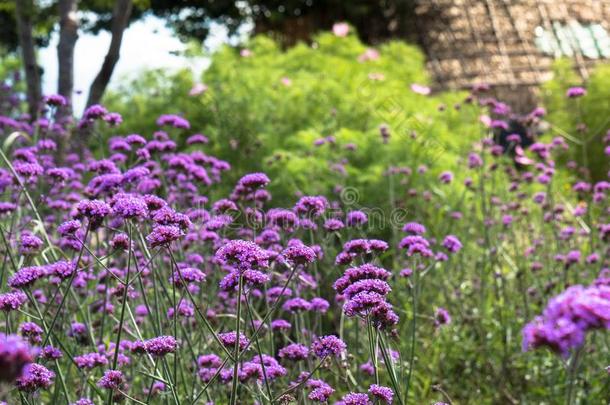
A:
31	331
163	234
120	241
94	112
319	305
229	338
55	100
113	118
6	207
572	257
50	353
174	121
15	354
356	399
445	177
29	243
362	302
128	206
253	181
321	393
11	301
568	317
441	317
160	346
294	352
34	377
356	218
62	269
244	255
298	254
283	218
90	360
574	92
382	393
452	244
280	324
406	272
189	275
30	171
328	346
295	305
84	401
26	277
354	274
369	285
311	205
333	224
196	139
112	380
68	227
95	210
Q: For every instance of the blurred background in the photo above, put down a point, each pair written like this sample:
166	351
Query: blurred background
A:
271	76
508	44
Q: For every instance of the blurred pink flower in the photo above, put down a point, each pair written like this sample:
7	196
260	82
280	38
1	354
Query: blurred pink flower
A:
485	120
286	81
198	88
369	54
245	53
341	29
419	89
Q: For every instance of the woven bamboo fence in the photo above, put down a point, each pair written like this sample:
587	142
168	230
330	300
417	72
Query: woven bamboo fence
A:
510	44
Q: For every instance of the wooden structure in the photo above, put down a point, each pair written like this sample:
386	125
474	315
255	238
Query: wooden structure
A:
510	44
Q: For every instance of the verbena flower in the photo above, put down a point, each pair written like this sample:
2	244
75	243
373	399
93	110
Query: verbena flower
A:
381	393
11	301
90	360
244	255
294	352
162	235
328	346
160	346
26	277
112	380
567	319
354	398
229	338
35	376
15	355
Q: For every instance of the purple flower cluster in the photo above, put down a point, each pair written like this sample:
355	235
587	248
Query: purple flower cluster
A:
15	355
568	317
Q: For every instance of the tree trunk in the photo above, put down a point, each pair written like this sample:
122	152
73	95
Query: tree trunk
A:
120	17
68	35
24	9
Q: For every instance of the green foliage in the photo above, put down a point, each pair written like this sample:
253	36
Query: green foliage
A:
266	110
568	115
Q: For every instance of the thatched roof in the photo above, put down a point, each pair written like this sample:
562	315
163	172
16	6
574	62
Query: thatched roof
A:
510	44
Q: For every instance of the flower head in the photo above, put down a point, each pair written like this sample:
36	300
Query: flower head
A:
15	355
328	346
35	376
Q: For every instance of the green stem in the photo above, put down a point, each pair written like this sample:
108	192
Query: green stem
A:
237	330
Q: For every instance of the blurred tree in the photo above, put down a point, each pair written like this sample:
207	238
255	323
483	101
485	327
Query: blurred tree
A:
28	24
120	20
68	34
24	10
289	20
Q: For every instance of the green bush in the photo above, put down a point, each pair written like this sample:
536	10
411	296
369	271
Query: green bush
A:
268	109
567	115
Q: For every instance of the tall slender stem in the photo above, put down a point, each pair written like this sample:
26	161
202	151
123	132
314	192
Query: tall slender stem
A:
237	330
